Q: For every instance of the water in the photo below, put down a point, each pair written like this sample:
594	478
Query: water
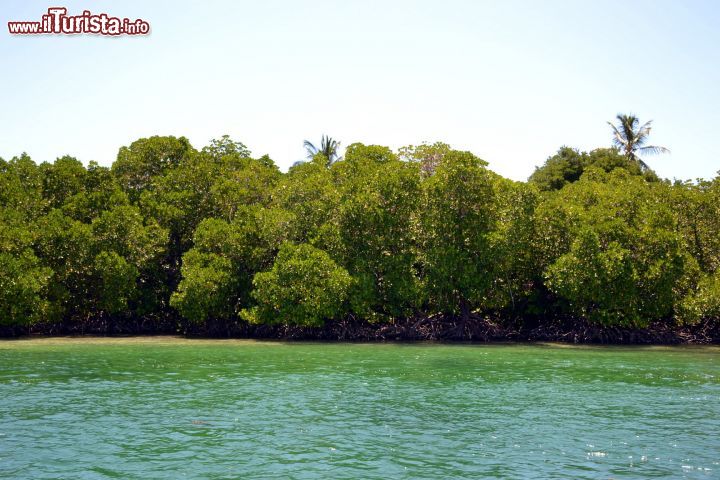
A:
172	408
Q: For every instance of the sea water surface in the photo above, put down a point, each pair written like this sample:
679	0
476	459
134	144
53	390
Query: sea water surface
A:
166	408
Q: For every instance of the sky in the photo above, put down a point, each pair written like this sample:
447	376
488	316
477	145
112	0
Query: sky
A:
511	81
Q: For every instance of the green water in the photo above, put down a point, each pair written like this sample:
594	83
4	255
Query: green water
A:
164	408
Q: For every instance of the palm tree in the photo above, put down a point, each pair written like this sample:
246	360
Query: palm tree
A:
631	138
328	147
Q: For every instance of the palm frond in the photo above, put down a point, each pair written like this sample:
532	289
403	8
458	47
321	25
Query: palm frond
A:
310	149
643	133
646	127
618	138
628	123
653	150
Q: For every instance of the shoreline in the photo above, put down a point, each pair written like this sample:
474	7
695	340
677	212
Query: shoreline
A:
435	328
37	340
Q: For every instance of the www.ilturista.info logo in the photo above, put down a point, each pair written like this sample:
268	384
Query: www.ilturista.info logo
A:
57	21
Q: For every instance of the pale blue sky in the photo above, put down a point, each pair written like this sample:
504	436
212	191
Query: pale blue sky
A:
509	80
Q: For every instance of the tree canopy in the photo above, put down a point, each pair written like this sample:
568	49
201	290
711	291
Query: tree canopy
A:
216	234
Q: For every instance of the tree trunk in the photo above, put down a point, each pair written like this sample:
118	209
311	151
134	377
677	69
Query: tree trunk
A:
464	316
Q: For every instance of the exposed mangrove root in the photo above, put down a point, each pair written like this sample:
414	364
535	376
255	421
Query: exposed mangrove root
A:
443	328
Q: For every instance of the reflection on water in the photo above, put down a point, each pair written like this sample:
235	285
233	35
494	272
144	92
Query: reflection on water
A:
173	408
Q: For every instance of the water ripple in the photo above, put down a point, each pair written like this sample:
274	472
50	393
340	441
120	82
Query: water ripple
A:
237	409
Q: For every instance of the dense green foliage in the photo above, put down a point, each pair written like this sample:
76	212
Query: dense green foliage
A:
568	165
217	235
622	260
304	287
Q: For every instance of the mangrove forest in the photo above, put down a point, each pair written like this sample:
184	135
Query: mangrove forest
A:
422	242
